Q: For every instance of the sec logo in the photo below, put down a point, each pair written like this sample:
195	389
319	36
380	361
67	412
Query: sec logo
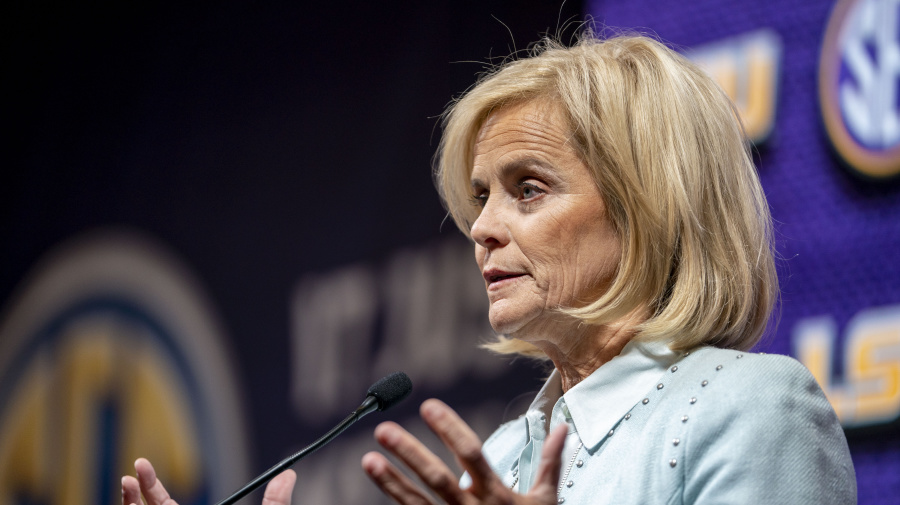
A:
107	354
858	78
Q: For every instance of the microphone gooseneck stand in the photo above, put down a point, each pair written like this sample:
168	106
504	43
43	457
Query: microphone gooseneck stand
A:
381	396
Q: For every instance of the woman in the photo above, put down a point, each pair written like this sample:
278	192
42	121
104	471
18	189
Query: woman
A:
622	234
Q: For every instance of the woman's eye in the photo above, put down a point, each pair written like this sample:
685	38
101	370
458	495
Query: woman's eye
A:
480	199
529	191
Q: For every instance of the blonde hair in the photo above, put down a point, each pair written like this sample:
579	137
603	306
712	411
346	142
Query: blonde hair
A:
670	158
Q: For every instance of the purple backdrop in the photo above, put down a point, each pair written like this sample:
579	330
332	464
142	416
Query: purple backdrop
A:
837	232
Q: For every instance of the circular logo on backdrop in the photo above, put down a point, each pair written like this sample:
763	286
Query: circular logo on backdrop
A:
108	353
858	84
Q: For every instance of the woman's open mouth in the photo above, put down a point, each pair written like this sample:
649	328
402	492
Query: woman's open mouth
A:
497	278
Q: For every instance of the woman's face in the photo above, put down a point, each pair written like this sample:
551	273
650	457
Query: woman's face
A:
543	239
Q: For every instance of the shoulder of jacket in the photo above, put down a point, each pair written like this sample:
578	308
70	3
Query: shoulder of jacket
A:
724	380
743	367
759	422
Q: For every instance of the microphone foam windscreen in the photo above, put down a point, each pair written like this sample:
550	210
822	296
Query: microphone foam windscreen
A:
391	390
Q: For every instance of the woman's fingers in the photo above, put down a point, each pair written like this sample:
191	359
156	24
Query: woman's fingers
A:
279	489
464	443
392	482
428	467
131	491
151	487
547	479
466	446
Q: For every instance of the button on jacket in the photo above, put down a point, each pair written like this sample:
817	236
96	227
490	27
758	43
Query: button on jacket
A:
712	426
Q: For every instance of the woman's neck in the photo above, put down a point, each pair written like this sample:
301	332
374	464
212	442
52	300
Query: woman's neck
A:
577	352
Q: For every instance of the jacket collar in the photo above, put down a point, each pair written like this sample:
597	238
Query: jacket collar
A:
597	403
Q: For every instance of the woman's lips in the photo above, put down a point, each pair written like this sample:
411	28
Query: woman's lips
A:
496	279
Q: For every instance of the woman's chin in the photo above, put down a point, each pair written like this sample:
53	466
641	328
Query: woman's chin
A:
512	323
505	325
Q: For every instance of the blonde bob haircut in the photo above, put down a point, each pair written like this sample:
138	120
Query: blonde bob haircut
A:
670	158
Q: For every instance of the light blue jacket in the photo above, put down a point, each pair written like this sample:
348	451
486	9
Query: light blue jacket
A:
712	427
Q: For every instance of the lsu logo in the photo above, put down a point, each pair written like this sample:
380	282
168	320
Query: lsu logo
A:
869	393
858	84
747	67
109	354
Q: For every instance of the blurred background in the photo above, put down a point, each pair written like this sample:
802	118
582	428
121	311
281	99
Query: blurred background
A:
219	227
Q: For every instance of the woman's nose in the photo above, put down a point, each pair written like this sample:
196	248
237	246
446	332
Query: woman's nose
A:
489	230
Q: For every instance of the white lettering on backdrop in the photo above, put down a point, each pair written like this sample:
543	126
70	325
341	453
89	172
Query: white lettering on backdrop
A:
423	311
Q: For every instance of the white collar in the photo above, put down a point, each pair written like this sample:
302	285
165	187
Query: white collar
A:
598	402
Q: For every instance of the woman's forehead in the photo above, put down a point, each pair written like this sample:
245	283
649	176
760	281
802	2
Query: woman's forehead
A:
526	130
536	110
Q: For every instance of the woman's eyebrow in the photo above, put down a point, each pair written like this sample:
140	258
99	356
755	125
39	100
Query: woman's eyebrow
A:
511	168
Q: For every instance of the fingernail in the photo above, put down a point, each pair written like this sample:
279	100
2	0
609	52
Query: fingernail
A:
431	411
372	466
387	435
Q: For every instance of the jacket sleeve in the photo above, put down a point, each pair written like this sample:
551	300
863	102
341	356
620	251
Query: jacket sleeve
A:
767	435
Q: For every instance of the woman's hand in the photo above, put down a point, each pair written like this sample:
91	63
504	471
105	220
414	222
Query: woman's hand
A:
464	444
278	491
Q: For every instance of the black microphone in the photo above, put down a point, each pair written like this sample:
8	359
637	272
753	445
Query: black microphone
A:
382	395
